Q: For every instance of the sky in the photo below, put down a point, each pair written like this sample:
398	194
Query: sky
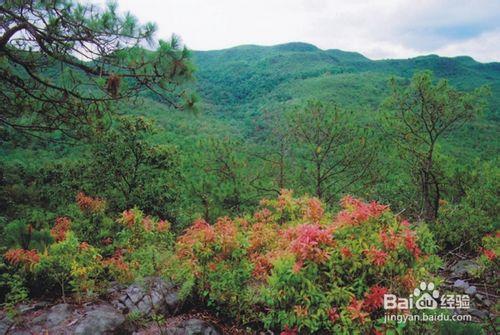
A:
378	29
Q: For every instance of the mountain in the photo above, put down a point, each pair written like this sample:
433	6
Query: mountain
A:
238	83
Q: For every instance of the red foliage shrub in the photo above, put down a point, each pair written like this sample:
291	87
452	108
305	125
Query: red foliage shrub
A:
490	254
355	211
89	204
61	227
314	210
374	298
411	244
355	310
333	314
22	256
128	218
376	256
289	331
309	242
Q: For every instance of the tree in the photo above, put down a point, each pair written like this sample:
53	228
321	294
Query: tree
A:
417	116
128	170
221	178
64	64
273	149
336	154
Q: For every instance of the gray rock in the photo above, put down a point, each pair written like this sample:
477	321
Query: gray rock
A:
479	313
471	291
5	324
461	284
58	314
99	320
464	267
154	295
487	302
194	327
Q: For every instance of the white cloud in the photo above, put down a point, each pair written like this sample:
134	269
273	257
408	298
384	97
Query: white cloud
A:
375	28
484	48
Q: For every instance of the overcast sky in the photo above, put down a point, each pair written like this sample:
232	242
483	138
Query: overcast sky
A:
377	28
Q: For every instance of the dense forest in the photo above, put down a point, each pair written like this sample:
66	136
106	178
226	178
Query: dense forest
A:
283	188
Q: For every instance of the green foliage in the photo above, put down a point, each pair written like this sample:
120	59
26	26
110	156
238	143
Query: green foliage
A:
135	171
70	62
463	224
69	264
295	266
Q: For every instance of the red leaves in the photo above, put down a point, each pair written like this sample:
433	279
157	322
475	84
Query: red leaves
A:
128	218
411	243
333	314
374	298
313	211
346	252
356	212
61	227
134	217
355	310
199	232
89	204
22	256
116	261
490	254
162	226
376	256
308	242
389	239
289	331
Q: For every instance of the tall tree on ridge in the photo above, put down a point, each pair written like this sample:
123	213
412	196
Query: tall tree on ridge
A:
417	116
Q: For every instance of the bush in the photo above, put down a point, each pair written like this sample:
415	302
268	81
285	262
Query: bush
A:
463	223
71	264
293	266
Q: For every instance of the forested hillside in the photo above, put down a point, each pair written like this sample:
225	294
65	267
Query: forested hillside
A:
284	189
239	83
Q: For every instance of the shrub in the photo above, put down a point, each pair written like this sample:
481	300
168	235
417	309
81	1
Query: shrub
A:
488	258
71	264
295	266
141	247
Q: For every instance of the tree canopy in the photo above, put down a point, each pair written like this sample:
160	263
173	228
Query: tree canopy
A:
63	65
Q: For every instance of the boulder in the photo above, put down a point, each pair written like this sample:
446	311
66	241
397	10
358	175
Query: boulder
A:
100	319
461	284
471	291
153	296
58	314
464	268
194	327
479	313
5	323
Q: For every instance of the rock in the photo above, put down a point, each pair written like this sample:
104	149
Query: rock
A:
464	267
461	284
194	327
479	313
487	302
483	300
154	295
173	301
471	291
99	320
5	324
58	314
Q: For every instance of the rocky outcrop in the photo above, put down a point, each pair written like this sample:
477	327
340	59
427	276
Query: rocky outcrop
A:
154	295
193	327
98	318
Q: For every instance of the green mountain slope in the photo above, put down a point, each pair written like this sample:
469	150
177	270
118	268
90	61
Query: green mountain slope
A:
238	83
